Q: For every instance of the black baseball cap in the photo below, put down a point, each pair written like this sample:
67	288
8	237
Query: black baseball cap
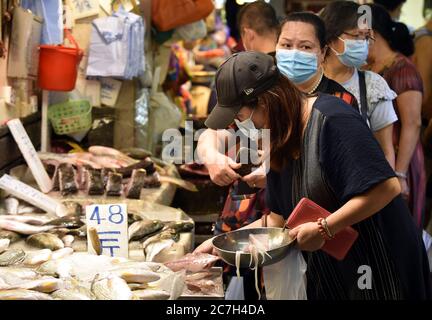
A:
239	81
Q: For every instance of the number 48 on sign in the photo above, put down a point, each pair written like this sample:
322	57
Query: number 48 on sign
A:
111	224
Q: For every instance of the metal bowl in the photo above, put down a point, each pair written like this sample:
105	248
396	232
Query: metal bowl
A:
227	244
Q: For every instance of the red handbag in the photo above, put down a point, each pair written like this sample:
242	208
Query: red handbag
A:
170	14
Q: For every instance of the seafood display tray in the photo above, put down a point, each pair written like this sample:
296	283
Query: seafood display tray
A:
217	271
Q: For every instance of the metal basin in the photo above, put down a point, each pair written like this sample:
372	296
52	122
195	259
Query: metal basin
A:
229	243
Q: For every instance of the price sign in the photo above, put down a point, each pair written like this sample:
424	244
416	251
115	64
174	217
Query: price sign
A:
111	224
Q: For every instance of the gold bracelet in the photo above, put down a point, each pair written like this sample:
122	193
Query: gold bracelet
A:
326	228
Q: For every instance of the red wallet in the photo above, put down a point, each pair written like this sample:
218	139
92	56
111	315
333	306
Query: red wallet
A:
308	211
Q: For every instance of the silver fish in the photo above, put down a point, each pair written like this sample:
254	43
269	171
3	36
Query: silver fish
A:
23	228
34	258
4	244
136	275
12	257
110	287
33	220
45	241
56	268
22	294
150	294
45	285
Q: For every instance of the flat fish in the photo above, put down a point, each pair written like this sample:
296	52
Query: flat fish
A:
142	228
45	241
67	179
12	257
111	287
23	228
114	185
34	258
70	222
12	236
136	183
22	294
4	244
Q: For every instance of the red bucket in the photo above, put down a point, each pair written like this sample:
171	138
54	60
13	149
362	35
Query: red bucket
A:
58	66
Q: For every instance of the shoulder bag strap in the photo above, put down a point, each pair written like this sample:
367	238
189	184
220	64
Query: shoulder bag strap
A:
363	95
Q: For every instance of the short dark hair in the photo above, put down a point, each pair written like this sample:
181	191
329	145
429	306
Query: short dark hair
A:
390	5
259	16
312	19
396	34
338	17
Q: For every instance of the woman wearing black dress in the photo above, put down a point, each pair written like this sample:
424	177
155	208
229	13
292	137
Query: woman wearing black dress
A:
323	150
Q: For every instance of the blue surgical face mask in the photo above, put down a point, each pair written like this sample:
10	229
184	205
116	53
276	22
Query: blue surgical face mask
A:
296	65
247	127
355	54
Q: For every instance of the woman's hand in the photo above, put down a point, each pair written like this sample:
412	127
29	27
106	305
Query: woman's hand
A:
308	236
206	247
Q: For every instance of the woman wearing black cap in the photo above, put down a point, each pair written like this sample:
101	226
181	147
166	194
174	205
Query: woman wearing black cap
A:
327	154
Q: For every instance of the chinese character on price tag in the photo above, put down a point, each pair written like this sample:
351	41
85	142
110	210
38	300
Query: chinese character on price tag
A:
111	224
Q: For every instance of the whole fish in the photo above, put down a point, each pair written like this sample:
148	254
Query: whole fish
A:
110	287
94	240
154	248
33	220
22	294
140	229
45	285
23	228
67	294
164	235
61	253
150	294
136	275
56	268
34	258
12	236
180	226
136	153
4	244
193	262
18	272
12	257
123	159
45	241
70	222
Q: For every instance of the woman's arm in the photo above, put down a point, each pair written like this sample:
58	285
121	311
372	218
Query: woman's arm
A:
355	210
364	206
409	106
384	137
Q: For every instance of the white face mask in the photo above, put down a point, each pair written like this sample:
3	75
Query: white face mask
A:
247	127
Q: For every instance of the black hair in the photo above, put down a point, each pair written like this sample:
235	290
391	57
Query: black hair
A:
259	16
312	19
390	5
396	34
339	16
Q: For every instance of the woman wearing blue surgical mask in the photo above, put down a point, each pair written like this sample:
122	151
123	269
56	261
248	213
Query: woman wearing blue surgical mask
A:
347	53
300	53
